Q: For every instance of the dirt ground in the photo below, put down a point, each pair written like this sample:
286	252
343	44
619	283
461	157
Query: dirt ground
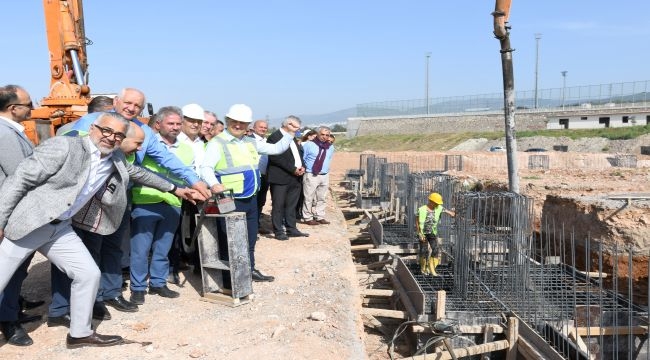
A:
312	309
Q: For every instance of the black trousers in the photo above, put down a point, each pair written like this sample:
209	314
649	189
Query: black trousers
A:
283	212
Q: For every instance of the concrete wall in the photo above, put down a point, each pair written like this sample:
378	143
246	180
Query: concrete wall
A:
468	122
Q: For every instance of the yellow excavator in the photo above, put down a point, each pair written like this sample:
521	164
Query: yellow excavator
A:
69	92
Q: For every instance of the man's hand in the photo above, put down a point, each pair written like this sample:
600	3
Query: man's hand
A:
2	234
217	188
299	171
423	239
202	188
190	195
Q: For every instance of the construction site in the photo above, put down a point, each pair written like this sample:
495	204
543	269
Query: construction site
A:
548	273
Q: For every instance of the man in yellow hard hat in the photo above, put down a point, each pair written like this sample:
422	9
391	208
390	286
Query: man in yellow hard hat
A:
427	230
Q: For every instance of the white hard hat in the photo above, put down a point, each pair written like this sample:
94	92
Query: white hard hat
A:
240	112
194	111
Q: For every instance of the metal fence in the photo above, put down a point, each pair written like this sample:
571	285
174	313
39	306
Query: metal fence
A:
603	95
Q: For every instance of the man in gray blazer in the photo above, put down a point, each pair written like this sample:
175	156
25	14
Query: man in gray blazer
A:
59	179
15	107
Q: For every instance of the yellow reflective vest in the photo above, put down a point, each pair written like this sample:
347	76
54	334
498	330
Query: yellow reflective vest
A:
237	168
147	195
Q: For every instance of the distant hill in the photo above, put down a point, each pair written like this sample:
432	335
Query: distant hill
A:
337	117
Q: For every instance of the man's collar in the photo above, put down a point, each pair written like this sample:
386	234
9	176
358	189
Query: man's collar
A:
14	124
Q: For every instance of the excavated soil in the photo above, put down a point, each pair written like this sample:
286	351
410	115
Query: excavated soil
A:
312	309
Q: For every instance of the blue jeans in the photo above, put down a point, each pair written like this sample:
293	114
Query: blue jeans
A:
107	252
152	230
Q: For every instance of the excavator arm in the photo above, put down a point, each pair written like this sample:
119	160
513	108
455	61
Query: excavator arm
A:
69	92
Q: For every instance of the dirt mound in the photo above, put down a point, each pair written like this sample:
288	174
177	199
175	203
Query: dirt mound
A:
583	145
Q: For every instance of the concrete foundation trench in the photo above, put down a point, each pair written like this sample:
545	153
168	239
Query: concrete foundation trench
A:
513	282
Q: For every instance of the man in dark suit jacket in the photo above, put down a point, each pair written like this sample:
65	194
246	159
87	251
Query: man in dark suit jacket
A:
59	179
284	175
15	107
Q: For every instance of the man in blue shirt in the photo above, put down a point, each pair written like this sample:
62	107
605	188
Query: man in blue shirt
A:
315	183
129	103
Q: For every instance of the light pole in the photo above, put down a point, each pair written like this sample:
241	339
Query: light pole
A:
563	87
426	85
537	37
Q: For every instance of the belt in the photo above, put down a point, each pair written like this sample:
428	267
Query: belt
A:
55	221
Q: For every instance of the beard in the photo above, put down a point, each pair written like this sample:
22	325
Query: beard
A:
104	149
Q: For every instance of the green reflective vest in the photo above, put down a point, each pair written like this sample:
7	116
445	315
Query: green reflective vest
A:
146	195
422	217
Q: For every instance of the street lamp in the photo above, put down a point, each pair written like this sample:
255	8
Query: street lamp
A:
426	85
537	37
563	87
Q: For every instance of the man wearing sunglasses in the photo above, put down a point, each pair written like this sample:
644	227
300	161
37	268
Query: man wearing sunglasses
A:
61	179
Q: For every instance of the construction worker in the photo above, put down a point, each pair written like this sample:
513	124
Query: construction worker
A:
231	162
427	230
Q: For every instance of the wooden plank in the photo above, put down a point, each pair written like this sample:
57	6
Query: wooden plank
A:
487	337
395	314
538	343
373	266
465	329
512	336
361	247
611	330
440	305
372	322
528	351
402	294
378	292
466	351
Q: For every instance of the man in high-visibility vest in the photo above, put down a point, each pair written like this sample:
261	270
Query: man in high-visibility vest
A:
231	162
427	230
156	214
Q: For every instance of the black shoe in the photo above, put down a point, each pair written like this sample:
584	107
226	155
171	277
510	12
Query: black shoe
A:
173	278
121	304
15	334
137	297
258	276
297	234
93	340
164	291
281	237
23	317
58	321
100	312
28	305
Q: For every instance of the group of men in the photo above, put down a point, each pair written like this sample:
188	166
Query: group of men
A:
111	177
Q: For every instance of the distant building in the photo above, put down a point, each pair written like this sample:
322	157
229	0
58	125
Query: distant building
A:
597	121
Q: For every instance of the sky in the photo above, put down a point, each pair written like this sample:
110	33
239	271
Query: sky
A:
285	57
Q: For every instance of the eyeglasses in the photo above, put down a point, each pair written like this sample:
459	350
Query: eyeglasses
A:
108	132
29	105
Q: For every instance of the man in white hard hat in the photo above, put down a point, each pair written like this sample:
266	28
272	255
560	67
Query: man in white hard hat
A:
231	162
193	116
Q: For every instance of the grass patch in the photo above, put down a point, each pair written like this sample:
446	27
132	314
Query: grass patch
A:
443	142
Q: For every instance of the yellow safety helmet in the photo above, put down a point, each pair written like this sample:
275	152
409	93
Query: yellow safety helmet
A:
435	198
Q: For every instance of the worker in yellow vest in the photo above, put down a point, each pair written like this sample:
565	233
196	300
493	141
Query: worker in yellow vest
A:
155	215
232	162
427	230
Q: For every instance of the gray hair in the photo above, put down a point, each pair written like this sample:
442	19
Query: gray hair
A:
211	113
165	111
321	128
113	115
285	122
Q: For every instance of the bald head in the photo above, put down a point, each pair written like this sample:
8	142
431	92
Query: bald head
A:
134	139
